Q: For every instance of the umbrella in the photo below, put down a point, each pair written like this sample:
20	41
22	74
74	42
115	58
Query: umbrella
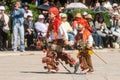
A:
44	7
100	9
76	5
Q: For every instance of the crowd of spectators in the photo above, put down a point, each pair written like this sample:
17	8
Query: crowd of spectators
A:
23	26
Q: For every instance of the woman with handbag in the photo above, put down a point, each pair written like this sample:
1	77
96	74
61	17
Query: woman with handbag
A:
4	28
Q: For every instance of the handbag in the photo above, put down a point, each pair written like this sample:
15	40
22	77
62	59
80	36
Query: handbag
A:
6	29
3	25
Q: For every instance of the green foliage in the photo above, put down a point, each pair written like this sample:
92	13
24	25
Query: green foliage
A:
35	11
8	5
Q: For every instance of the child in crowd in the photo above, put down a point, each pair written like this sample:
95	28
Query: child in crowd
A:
29	30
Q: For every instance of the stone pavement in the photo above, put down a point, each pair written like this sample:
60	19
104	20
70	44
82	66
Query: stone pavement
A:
28	66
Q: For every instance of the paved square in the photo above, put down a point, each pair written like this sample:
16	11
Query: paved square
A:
28	66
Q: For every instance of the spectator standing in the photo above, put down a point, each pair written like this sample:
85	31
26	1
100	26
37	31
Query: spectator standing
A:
4	18
18	28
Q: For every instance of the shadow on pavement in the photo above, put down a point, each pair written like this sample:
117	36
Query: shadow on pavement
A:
35	72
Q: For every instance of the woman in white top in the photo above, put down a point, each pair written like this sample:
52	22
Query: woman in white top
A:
104	32
40	26
4	29
68	29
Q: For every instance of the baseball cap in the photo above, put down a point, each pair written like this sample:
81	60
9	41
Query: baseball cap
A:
85	13
63	15
41	16
115	4
2	8
30	14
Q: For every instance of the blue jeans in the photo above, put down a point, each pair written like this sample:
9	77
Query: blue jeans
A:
97	39
18	30
70	36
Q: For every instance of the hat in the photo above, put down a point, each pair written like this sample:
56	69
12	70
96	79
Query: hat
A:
78	15
85	13
63	15
26	4
41	16
89	16
2	8
54	10
115	4
30	14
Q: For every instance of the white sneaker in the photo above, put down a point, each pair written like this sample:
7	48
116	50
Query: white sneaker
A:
100	47
85	71
96	47
22	51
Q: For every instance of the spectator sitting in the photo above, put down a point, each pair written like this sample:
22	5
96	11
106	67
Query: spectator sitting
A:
103	31
29	30
97	38
40	26
115	26
68	29
115	8
107	4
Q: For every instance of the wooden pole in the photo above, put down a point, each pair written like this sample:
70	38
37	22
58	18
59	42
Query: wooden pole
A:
64	66
100	57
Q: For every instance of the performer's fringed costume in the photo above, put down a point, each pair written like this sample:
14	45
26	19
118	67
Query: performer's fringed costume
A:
55	54
54	57
84	58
